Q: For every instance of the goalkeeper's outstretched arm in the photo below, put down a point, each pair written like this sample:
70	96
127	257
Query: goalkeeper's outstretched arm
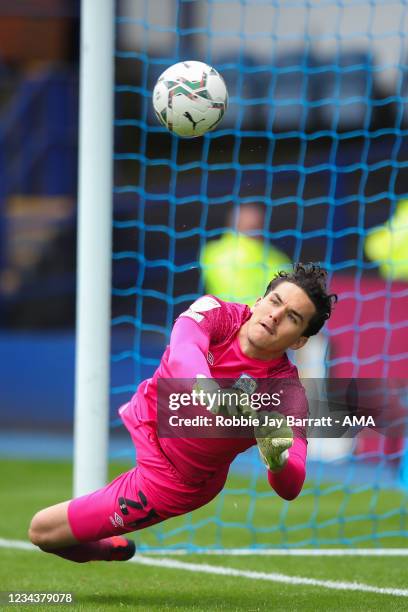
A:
188	350
288	481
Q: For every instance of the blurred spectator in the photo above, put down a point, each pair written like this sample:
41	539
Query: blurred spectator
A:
238	266
388	245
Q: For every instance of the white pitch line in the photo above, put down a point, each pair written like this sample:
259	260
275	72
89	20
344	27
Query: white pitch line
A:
21	545
238	573
283	552
251	552
271	577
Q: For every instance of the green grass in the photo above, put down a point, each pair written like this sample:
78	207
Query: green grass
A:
29	486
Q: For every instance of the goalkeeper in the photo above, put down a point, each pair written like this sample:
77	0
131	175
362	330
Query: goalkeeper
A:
174	475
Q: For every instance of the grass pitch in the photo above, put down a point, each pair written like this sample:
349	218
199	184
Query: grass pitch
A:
28	486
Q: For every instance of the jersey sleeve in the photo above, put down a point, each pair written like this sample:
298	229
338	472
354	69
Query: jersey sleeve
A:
214	317
289	482
294	403
188	350
207	321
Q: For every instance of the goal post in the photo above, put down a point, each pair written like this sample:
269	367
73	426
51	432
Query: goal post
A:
94	250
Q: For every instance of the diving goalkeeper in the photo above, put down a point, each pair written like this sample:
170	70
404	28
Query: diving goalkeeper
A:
211	340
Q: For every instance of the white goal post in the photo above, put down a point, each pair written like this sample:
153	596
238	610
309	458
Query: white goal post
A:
94	250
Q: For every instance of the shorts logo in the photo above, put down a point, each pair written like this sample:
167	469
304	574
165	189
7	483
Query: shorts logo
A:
116	520
210	358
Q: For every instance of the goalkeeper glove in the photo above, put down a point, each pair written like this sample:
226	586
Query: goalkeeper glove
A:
274	441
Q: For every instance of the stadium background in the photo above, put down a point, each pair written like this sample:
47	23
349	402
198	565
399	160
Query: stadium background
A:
326	160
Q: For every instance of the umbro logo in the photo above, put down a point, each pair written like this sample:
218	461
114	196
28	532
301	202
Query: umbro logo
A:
210	358
116	520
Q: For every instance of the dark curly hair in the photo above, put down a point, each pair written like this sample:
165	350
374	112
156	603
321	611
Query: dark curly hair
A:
313	280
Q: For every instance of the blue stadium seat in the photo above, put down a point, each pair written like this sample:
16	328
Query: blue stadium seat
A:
291	91
38	133
346	91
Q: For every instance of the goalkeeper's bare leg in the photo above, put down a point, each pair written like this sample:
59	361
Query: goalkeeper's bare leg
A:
50	530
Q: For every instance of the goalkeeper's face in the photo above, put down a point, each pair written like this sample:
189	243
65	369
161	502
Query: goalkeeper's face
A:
278	321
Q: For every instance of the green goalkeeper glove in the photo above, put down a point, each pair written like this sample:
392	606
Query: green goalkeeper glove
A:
274	441
225	402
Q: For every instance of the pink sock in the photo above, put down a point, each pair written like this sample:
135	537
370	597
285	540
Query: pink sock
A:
89	551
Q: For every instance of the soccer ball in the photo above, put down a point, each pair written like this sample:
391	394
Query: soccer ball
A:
190	98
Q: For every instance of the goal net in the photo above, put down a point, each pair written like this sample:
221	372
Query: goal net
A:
316	136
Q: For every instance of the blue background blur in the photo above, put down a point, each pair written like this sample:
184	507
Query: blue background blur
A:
38	167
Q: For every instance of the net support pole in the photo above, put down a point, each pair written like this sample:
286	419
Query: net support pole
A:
94	250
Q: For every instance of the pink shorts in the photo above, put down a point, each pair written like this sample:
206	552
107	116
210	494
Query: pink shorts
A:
147	494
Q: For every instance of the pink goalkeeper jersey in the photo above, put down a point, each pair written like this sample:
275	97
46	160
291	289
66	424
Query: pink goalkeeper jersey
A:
205	341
